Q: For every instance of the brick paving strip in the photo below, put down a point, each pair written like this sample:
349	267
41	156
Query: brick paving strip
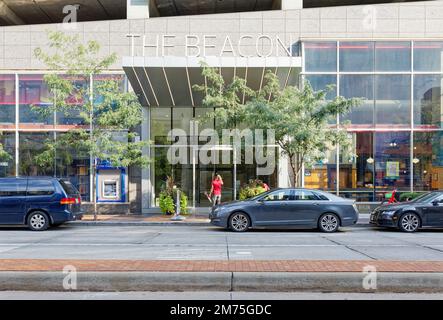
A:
41	265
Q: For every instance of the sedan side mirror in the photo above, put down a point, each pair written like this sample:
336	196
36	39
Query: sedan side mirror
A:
435	202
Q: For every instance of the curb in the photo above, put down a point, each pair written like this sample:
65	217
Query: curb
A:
221	281
363	222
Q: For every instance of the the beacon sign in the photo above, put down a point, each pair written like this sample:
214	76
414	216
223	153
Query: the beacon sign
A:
261	45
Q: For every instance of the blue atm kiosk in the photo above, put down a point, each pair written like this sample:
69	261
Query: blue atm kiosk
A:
111	183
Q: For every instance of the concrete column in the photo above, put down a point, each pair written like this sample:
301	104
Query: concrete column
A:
291	4
283	171
137	9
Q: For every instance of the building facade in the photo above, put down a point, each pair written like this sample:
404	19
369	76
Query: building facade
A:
391	55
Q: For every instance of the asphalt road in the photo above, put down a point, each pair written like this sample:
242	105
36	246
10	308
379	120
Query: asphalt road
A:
206	243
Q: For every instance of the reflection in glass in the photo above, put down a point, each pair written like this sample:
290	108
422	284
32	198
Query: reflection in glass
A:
393	100
428	161
356	56
393	56
320	56
359	86
428	111
7	101
7	163
30	145
321	82
428	56
34	93
160	125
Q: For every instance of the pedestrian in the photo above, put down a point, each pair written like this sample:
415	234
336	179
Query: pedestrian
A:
216	189
265	186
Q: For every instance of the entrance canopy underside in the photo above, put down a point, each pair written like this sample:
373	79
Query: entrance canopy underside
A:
169	81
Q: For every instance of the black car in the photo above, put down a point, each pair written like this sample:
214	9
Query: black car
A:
38	202
424	211
297	208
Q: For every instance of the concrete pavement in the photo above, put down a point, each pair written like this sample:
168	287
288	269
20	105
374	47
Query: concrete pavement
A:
214	295
210	243
204	258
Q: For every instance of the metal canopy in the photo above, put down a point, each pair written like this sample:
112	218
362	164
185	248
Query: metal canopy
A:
169	81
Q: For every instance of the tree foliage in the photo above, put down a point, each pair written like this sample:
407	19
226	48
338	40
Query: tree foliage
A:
300	118
106	115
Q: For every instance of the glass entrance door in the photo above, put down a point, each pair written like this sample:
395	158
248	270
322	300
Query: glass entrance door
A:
205	175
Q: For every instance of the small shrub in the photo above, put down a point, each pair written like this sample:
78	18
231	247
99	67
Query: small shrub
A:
166	203
253	188
409	195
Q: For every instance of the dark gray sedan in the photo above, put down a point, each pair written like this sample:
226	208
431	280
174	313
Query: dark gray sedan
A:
298	208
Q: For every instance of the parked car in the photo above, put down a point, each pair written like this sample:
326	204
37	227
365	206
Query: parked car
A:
424	211
287	207
38	202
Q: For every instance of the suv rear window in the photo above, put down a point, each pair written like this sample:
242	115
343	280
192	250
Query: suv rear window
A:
40	188
68	187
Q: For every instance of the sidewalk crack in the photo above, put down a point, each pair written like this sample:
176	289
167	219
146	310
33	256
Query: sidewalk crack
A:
348	247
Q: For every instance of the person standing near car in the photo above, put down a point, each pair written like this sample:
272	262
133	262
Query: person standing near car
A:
216	189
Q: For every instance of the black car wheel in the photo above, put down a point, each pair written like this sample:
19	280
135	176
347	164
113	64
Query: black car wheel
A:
328	222
409	222
38	221
239	222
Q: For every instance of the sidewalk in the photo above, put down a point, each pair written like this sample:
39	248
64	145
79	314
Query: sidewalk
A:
146	220
159	219
315	266
223	276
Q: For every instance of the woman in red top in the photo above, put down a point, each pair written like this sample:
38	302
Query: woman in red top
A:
216	189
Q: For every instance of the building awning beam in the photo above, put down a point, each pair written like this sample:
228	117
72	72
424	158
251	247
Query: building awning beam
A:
168	81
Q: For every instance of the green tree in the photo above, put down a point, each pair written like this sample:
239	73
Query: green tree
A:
299	117
4	155
107	116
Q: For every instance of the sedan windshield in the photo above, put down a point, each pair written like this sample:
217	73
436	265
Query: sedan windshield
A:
427	197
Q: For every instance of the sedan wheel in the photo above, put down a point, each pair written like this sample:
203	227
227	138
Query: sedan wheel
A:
329	223
38	221
409	222
239	222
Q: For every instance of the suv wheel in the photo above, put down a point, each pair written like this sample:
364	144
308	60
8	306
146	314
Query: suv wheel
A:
329	223
239	222
409	222
38	221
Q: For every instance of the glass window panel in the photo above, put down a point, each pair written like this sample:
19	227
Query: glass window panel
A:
393	56
34	95
160	124
356	56
71	116
428	56
320	82
181	119
7	162
428	110
320	56
323	175
359	86
393	100
428	161
73	165
7	101
30	145
357	168
392	162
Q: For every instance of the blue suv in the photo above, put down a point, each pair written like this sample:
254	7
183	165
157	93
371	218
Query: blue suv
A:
38	202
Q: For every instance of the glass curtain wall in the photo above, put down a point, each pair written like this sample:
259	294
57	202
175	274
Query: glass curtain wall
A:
25	129
397	132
